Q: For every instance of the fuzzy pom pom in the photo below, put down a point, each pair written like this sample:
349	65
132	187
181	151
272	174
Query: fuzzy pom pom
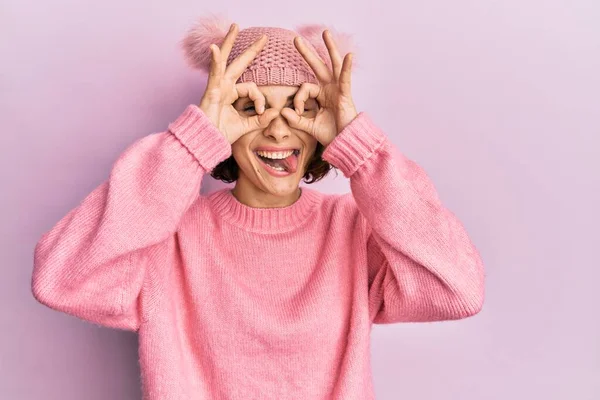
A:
205	31
313	33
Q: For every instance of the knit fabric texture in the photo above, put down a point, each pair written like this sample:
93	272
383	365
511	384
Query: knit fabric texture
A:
278	63
234	302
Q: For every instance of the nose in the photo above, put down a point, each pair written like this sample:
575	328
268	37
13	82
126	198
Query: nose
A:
278	129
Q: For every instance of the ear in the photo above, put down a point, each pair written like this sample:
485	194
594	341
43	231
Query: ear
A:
204	32
313	33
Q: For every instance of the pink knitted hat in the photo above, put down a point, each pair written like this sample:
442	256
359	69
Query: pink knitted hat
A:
279	62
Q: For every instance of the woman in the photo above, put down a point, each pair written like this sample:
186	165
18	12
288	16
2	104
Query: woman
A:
268	290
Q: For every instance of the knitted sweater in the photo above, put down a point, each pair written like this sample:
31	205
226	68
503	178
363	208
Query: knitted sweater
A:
235	302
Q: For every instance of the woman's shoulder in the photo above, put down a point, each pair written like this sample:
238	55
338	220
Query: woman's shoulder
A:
340	205
337	200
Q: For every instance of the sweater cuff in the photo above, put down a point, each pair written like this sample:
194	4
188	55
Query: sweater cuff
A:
354	145
201	137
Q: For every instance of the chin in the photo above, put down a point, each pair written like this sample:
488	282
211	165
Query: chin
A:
282	190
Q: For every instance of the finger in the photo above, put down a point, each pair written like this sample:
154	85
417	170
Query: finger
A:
298	121
334	54
345	79
229	40
249	89
318	66
239	65
261	121
214	74
307	90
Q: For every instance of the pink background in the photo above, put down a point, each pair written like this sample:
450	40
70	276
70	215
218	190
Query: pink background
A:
498	100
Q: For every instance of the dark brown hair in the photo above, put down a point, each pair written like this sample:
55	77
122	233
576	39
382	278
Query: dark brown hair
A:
229	171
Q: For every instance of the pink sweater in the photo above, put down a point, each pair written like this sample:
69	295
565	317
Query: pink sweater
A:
234	302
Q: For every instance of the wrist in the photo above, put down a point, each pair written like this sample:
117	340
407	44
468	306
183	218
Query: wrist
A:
208	111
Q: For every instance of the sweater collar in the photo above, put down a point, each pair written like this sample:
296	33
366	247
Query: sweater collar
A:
266	220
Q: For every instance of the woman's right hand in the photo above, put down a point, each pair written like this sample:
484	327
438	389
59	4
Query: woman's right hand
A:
222	90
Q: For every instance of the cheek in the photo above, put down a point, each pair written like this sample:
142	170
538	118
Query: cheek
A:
240	152
245	159
311	144
310	148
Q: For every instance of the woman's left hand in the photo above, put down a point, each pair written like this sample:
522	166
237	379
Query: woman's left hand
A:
333	94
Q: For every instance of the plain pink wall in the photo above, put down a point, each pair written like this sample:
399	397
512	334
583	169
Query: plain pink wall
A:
498	101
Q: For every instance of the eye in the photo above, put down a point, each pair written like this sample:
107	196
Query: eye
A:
249	107
311	104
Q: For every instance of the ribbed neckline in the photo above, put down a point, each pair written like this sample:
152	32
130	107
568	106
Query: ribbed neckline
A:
265	220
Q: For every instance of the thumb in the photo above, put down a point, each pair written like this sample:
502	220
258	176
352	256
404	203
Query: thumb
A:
260	121
298	121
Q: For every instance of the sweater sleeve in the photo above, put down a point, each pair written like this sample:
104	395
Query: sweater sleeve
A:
422	265
103	261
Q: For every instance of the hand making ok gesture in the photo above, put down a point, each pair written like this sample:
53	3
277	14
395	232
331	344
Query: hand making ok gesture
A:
222	90
333	94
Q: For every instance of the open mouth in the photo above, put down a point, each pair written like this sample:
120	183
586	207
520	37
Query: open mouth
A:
280	161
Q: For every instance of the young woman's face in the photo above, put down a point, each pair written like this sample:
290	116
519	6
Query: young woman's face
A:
260	153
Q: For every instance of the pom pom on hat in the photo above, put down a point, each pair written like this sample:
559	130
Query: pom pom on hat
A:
197	41
314	34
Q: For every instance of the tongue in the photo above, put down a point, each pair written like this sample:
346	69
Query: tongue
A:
290	163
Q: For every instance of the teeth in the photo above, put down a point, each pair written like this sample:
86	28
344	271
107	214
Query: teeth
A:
276	155
277	168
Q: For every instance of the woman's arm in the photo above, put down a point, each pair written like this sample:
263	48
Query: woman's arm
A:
114	247
422	264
